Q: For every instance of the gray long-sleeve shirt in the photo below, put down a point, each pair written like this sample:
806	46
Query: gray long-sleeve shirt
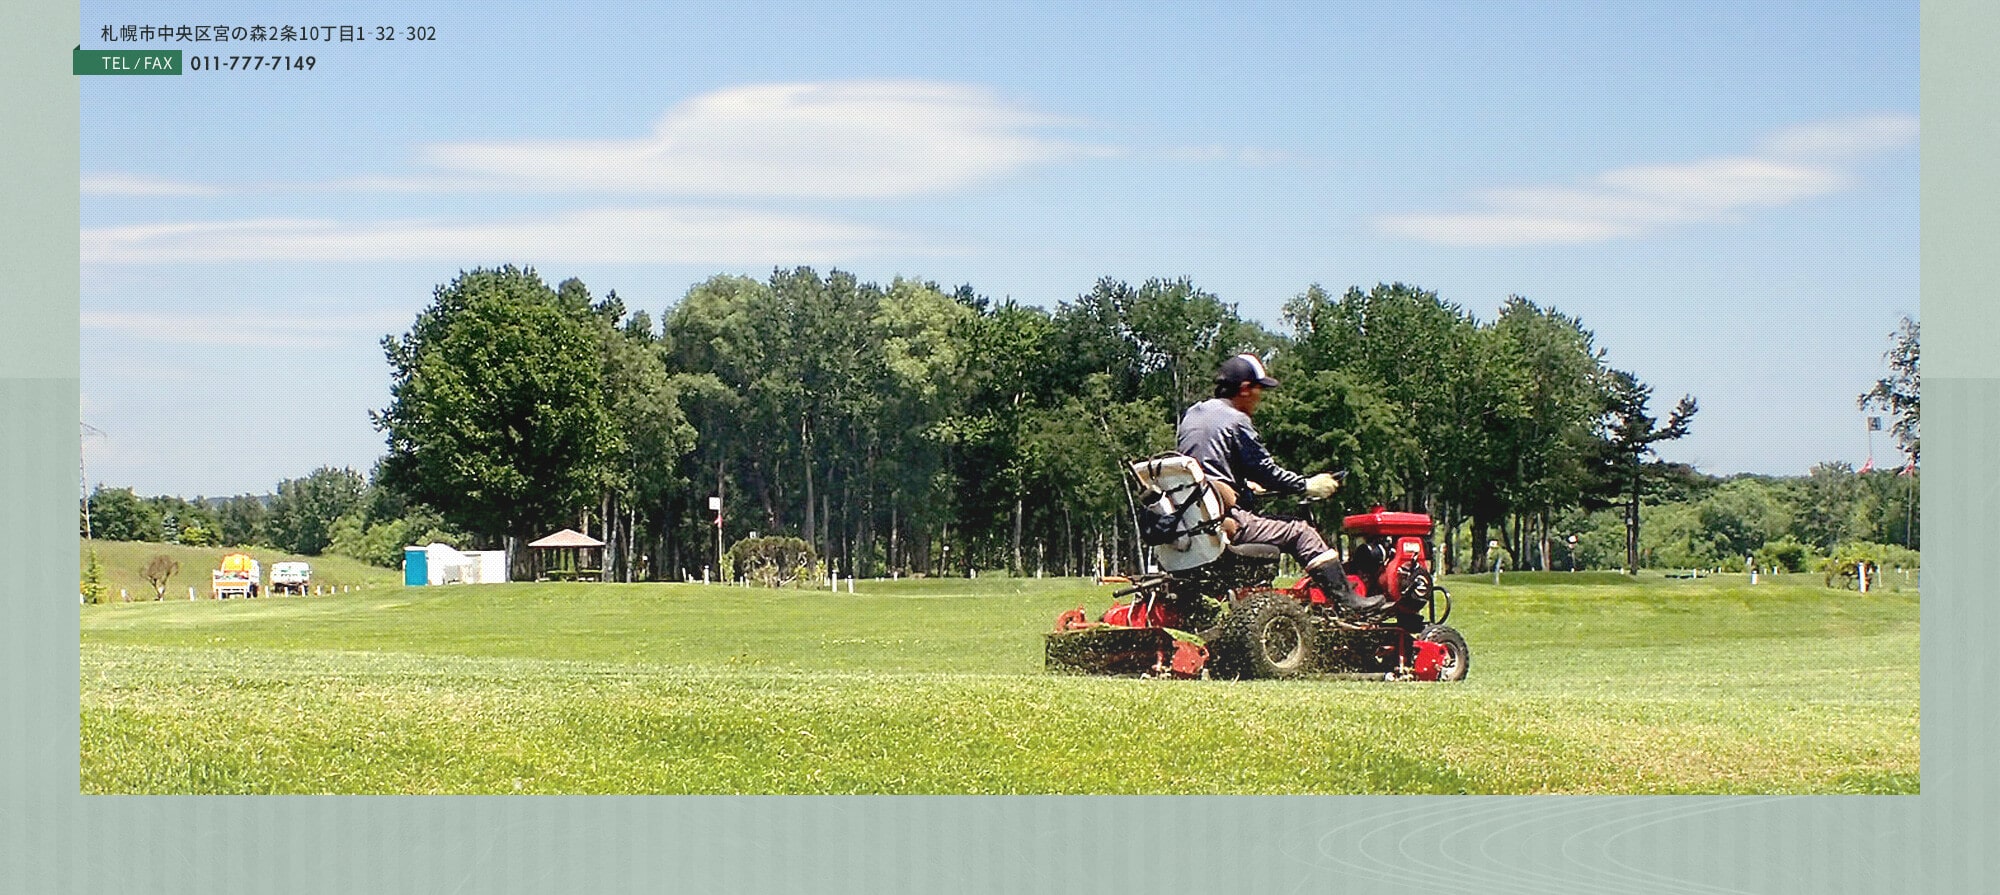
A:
1221	438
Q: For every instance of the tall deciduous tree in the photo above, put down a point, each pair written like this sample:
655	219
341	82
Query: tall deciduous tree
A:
1080	449
1008	355
1900	391
497	415
117	514
1428	360
654	433
1554	384
1741	516
1631	432
802	360
183	521
304	510
1323	420
919	412
244	520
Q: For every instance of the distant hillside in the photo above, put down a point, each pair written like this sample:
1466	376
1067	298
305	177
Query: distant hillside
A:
124	562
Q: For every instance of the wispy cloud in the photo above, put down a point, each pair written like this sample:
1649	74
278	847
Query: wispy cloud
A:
1846	138
635	235
1792	165
141	185
829	140
856	139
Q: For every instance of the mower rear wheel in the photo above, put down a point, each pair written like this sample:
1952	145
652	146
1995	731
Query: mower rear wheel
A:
1457	659
1269	635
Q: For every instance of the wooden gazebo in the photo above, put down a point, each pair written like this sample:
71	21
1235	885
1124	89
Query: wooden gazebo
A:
568	555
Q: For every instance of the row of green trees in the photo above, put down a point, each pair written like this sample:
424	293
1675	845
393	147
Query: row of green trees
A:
328	511
296	518
907	427
1769	522
904	427
1691	521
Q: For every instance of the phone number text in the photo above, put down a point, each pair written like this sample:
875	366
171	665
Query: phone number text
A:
250	63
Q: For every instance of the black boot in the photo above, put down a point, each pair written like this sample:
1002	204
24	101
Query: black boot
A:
1333	580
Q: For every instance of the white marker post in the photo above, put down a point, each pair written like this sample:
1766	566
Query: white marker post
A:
715	506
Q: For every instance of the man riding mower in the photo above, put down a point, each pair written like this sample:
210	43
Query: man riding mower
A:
1217	433
1213	606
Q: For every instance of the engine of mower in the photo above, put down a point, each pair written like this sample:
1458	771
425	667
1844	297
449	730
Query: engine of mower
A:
1390	554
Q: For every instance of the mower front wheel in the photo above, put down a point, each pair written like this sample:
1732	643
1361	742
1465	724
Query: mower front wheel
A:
1269	635
1457	659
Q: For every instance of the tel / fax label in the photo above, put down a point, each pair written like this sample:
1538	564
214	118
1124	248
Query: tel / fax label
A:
126	62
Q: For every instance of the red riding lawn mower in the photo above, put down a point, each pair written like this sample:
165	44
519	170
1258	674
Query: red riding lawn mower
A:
1221	615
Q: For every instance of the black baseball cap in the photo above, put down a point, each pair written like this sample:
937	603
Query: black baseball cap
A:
1245	368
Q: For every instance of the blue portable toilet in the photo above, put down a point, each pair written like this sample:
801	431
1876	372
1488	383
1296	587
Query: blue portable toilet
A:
416	566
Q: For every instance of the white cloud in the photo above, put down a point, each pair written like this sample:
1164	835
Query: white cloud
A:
636	235
1722	183
842	140
1796	164
1846	138
832	140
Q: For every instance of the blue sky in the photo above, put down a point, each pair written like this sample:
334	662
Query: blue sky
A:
1726	196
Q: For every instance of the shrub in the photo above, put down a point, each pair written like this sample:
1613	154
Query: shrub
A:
1786	554
1600	540
195	534
1841	566
1671	536
771	561
381	543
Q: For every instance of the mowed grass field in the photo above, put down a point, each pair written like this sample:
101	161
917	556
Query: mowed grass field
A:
1586	683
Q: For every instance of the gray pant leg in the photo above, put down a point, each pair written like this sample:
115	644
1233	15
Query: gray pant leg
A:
1293	536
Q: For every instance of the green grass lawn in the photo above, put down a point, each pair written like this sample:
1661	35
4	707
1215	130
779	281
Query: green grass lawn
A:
1589	683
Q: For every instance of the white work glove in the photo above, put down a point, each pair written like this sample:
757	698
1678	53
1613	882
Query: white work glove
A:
1322	486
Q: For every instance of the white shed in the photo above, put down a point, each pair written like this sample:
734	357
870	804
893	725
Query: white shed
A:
448	566
488	566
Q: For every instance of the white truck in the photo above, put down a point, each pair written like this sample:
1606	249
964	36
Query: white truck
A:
291	578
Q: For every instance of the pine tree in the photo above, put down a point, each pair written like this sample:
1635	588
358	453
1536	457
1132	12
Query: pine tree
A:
94	589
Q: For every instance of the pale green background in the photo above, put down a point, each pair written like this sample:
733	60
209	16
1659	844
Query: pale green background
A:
51	839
